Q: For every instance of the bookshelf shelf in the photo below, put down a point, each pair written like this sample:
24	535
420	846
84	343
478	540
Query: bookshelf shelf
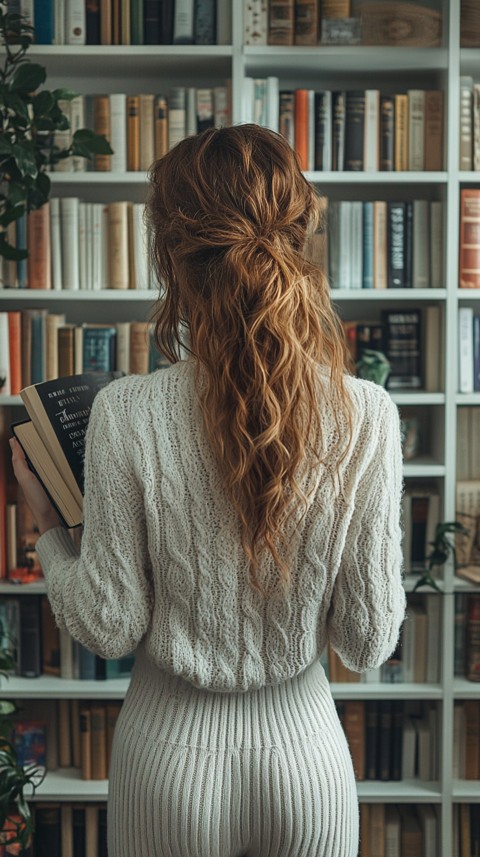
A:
463	689
404	791
461	585
418	398
382	690
467	399
37	588
423	466
342	58
61	295
407	295
471	177
180	60
100	178
468	294
66	784
380	178
51	687
466	791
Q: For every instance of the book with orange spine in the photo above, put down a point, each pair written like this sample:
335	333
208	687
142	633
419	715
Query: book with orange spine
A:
301	126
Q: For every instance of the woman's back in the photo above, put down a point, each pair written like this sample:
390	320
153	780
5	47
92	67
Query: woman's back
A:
208	624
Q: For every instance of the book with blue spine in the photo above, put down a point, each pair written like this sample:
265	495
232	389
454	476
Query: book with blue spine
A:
44	22
99	348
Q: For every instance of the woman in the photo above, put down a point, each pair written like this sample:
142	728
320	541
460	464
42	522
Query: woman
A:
241	510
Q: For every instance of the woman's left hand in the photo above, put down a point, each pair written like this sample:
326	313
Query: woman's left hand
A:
43	511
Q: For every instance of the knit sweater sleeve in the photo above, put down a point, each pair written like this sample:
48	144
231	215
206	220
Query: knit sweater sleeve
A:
368	602
103	596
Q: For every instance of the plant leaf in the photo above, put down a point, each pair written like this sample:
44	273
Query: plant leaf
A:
27	77
12	253
64	94
96	143
43	102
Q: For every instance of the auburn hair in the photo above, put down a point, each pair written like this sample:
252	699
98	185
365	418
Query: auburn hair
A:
230	213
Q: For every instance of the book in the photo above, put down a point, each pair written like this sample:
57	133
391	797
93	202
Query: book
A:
53	439
281	22
469	247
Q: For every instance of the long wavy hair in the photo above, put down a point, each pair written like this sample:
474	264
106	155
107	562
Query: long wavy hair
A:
230	213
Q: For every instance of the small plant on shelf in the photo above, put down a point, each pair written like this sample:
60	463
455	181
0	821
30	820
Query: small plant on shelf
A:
30	116
442	549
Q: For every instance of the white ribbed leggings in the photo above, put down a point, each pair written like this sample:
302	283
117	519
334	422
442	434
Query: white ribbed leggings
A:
202	774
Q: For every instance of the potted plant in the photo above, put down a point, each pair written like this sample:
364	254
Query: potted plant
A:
30	115
442	548
15	816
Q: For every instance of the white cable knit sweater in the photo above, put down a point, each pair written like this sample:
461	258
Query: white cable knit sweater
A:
162	561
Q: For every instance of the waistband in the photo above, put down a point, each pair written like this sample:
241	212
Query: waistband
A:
167	708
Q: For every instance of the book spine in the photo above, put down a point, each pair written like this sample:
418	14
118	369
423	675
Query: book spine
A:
38	239
380	257
98	726
75	23
125	22
433	143
402	348
21	243
354	132
136	22
345	232
176	116
476	353
101	107
183	22
409	244
301	126
69	215
86	741
306	22
465	350
92	22
133	133
44	22
281	22
371	142
5	388
221	106
339	119
147	131
436	243
469	250
354	726
367	274
15	352
106	35
30	636
139	348
152	23
416	129
77	121
401	132
476	126
255	22
336	8
205	22
161	126
396	245
53	322
466	124
204	109
356	271
387	135
118	245
421	244
118	132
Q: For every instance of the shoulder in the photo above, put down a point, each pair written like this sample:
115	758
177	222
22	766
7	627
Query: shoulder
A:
370	399
126	396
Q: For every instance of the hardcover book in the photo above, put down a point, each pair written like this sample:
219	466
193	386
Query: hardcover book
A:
53	439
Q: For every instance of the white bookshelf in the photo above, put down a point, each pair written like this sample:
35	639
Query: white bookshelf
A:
100	69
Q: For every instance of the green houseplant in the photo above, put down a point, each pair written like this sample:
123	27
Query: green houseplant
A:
30	115
15	815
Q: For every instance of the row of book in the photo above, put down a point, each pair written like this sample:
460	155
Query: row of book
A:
66	830
289	22
468	350
67	733
352	130
38	346
144	127
409	338
466	830
400	830
466	740
127	22
392	740
81	245
380	244
29	633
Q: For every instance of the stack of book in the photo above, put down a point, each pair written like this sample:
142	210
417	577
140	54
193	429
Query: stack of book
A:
379	244
354	129
81	245
400	831
69	830
130	22
37	346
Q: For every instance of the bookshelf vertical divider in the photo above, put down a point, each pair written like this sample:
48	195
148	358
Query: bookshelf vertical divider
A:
445	185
